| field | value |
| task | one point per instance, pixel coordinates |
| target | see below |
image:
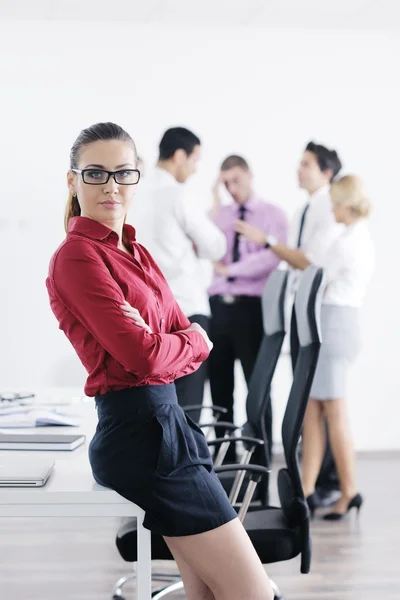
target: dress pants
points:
(236, 330)
(328, 478)
(190, 388)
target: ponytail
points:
(71, 210)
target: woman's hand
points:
(199, 329)
(134, 314)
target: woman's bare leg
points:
(342, 449)
(195, 588)
(313, 445)
(225, 560)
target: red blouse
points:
(89, 278)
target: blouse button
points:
(162, 320)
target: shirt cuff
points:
(199, 347)
(312, 259)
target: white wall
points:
(257, 92)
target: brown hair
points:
(350, 191)
(235, 161)
(99, 131)
(71, 210)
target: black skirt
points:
(150, 452)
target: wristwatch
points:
(270, 240)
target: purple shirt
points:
(256, 263)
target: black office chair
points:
(282, 533)
(254, 433)
(277, 533)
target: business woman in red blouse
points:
(145, 447)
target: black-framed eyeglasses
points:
(100, 176)
(8, 398)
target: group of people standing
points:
(132, 303)
(246, 240)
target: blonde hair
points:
(350, 191)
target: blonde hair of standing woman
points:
(350, 191)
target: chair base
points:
(277, 593)
(170, 588)
(117, 593)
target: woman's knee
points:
(195, 587)
(252, 594)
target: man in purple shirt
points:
(236, 328)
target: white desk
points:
(72, 492)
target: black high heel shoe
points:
(355, 502)
(313, 503)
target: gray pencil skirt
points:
(340, 346)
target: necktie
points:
(302, 222)
(235, 251)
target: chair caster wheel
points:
(117, 597)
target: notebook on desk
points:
(42, 441)
(22, 473)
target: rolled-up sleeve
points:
(180, 322)
(81, 281)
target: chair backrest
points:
(307, 308)
(273, 308)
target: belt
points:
(231, 299)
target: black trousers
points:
(328, 478)
(236, 331)
(190, 388)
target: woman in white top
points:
(348, 265)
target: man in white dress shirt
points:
(312, 231)
(178, 234)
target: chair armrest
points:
(216, 409)
(250, 444)
(256, 474)
(245, 439)
(224, 424)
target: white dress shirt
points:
(348, 265)
(169, 225)
(320, 228)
